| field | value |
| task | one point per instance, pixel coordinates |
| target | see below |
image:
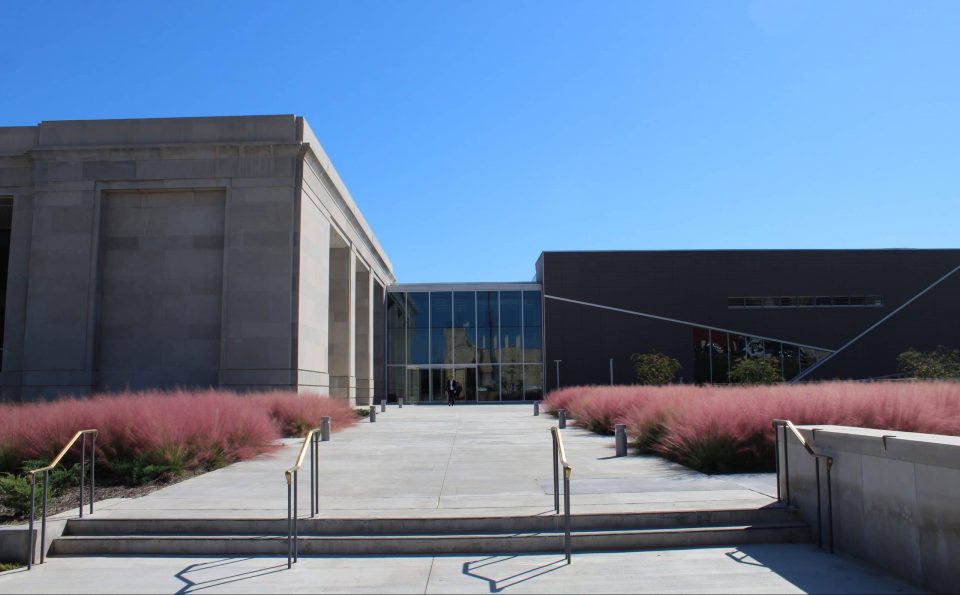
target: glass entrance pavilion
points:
(489, 336)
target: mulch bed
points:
(70, 498)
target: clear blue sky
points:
(474, 135)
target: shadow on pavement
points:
(497, 585)
(817, 571)
(192, 586)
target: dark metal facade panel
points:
(694, 286)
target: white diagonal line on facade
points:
(683, 322)
(874, 325)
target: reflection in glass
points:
(438, 392)
(510, 308)
(488, 309)
(441, 322)
(441, 346)
(396, 324)
(461, 331)
(396, 382)
(464, 309)
(441, 309)
(511, 383)
(532, 315)
(532, 345)
(465, 345)
(418, 344)
(533, 382)
(511, 345)
(488, 342)
(418, 385)
(467, 377)
(488, 383)
(418, 309)
(715, 354)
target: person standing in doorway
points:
(451, 389)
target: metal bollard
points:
(621, 439)
(383, 403)
(400, 402)
(373, 413)
(325, 429)
(536, 408)
(563, 418)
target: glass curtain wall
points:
(490, 341)
(716, 352)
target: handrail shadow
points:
(497, 585)
(191, 586)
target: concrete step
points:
(428, 525)
(426, 544)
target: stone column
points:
(379, 367)
(364, 336)
(342, 321)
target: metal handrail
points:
(31, 479)
(311, 442)
(786, 424)
(560, 460)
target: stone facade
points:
(185, 252)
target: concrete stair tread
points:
(441, 536)
(450, 525)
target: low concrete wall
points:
(895, 498)
(15, 545)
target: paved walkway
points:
(747, 569)
(464, 461)
(476, 460)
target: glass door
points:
(467, 377)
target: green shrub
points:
(756, 370)
(362, 413)
(134, 472)
(4, 566)
(15, 489)
(15, 494)
(942, 363)
(649, 437)
(724, 454)
(655, 368)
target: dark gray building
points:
(821, 314)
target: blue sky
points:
(474, 135)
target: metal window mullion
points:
(476, 327)
(729, 362)
(500, 345)
(710, 351)
(523, 345)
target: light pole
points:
(557, 361)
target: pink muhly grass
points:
(560, 399)
(178, 430)
(296, 414)
(728, 428)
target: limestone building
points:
(184, 252)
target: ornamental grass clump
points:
(146, 435)
(723, 429)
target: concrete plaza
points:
(474, 460)
(423, 461)
(745, 569)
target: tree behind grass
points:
(756, 370)
(942, 363)
(655, 368)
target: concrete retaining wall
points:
(895, 497)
